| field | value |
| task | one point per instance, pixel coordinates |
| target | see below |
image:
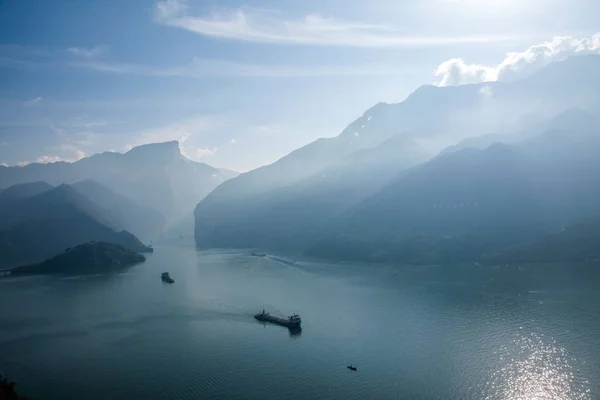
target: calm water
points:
(459, 332)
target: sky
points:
(242, 83)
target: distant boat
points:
(166, 278)
(258, 254)
(351, 367)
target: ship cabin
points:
(295, 318)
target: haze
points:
(241, 84)
(181, 179)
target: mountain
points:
(22, 190)
(143, 222)
(156, 176)
(26, 190)
(286, 217)
(52, 202)
(463, 204)
(571, 119)
(255, 208)
(43, 225)
(578, 242)
(84, 258)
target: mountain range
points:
(378, 192)
(155, 176)
(450, 174)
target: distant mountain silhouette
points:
(288, 216)
(89, 257)
(26, 190)
(463, 204)
(291, 200)
(43, 225)
(156, 176)
(572, 119)
(144, 222)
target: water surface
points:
(437, 332)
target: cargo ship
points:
(292, 322)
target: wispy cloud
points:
(456, 71)
(99, 59)
(202, 68)
(88, 52)
(313, 29)
(33, 102)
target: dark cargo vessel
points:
(292, 322)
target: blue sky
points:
(242, 83)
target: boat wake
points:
(287, 263)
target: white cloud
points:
(313, 29)
(232, 141)
(78, 155)
(516, 64)
(74, 154)
(34, 102)
(3, 164)
(88, 52)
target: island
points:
(84, 258)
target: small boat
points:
(258, 254)
(351, 367)
(166, 278)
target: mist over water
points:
(430, 332)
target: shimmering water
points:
(440, 332)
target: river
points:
(433, 332)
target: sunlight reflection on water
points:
(534, 368)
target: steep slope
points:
(156, 176)
(287, 217)
(143, 222)
(53, 202)
(434, 114)
(9, 195)
(25, 190)
(460, 205)
(43, 225)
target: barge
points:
(291, 322)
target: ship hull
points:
(278, 321)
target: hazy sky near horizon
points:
(242, 83)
